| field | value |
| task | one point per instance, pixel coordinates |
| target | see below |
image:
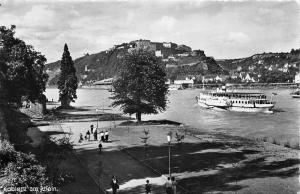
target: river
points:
(283, 124)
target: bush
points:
(20, 169)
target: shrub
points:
(20, 169)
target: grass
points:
(276, 141)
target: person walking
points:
(174, 185)
(102, 136)
(95, 135)
(80, 138)
(169, 186)
(148, 187)
(106, 135)
(100, 147)
(92, 129)
(88, 134)
(114, 185)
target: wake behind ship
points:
(236, 101)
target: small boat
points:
(295, 94)
(236, 101)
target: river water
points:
(283, 124)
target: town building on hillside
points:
(297, 78)
(83, 76)
(271, 67)
(220, 78)
(208, 78)
(239, 68)
(183, 49)
(168, 82)
(167, 44)
(198, 53)
(86, 69)
(283, 69)
(233, 75)
(186, 83)
(1, 43)
(142, 44)
(158, 53)
(172, 58)
(183, 54)
(251, 67)
(246, 77)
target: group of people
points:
(171, 185)
(87, 137)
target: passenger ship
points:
(236, 101)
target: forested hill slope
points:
(106, 64)
(181, 61)
(271, 61)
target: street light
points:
(97, 111)
(169, 137)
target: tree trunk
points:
(65, 102)
(138, 116)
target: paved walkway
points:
(131, 174)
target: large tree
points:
(21, 68)
(140, 88)
(67, 82)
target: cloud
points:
(165, 23)
(237, 38)
(223, 29)
(39, 16)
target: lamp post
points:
(169, 142)
(97, 110)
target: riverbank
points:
(205, 162)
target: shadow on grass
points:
(150, 122)
(200, 167)
(188, 160)
(49, 133)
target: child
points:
(100, 147)
(148, 187)
(80, 138)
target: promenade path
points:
(215, 163)
(131, 173)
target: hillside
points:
(105, 64)
(181, 61)
(271, 67)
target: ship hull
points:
(231, 103)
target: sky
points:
(223, 29)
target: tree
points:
(140, 88)
(67, 82)
(22, 68)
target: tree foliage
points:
(20, 169)
(67, 82)
(140, 88)
(22, 68)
